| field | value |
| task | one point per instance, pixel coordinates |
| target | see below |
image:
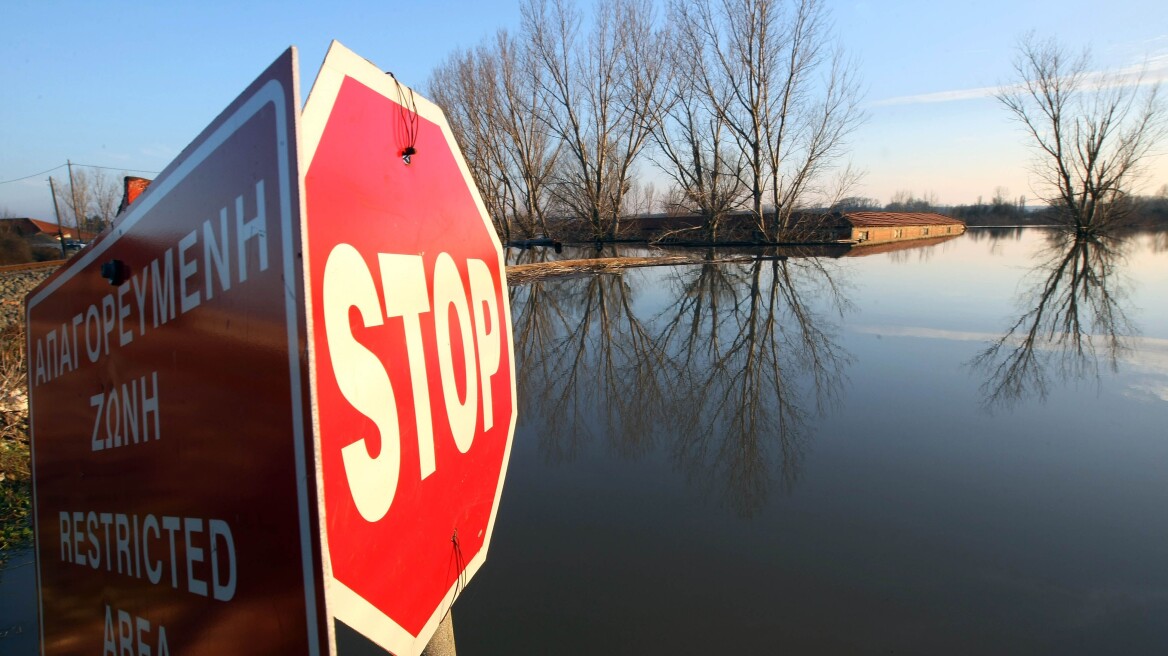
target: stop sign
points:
(412, 367)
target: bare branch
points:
(1091, 132)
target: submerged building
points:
(881, 227)
(804, 228)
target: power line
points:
(91, 166)
(33, 175)
(117, 168)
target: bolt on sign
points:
(280, 392)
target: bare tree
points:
(107, 194)
(789, 98)
(67, 199)
(1091, 132)
(465, 87)
(808, 134)
(533, 152)
(641, 198)
(695, 149)
(602, 90)
(490, 94)
(90, 202)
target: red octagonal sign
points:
(412, 363)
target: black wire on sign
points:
(460, 567)
(409, 119)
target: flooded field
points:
(958, 448)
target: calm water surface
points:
(958, 448)
(18, 613)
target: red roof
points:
(46, 227)
(26, 227)
(896, 219)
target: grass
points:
(15, 498)
(15, 477)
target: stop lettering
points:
(361, 376)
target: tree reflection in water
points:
(726, 377)
(753, 368)
(597, 372)
(1073, 322)
(1159, 241)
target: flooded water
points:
(18, 613)
(958, 448)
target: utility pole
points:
(60, 235)
(77, 218)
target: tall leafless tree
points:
(789, 97)
(695, 150)
(465, 86)
(1091, 131)
(603, 88)
(533, 152)
(107, 195)
(490, 95)
(90, 202)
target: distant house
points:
(36, 230)
(805, 227)
(882, 227)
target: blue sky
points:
(128, 85)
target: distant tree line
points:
(741, 104)
(1138, 211)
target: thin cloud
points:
(939, 97)
(1152, 70)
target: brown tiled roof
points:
(27, 227)
(894, 219)
(45, 226)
